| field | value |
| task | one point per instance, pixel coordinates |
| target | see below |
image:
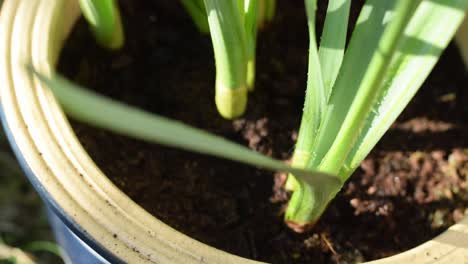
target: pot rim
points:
(65, 176)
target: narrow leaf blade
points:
(427, 35)
(332, 44)
(364, 40)
(103, 112)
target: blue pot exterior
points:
(74, 249)
(78, 246)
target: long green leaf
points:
(230, 49)
(315, 99)
(363, 44)
(332, 44)
(196, 10)
(426, 36)
(100, 111)
(302, 202)
(250, 24)
(370, 88)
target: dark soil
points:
(411, 187)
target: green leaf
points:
(196, 10)
(426, 36)
(332, 44)
(303, 203)
(369, 89)
(363, 44)
(104, 19)
(100, 111)
(315, 100)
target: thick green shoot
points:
(392, 50)
(233, 27)
(371, 86)
(104, 19)
(424, 41)
(332, 43)
(103, 112)
(230, 49)
(250, 24)
(363, 44)
(351, 99)
(196, 9)
(315, 101)
(330, 55)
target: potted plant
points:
(95, 212)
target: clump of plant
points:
(233, 28)
(354, 92)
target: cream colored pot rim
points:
(52, 152)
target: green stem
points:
(196, 10)
(434, 27)
(315, 101)
(250, 24)
(308, 202)
(364, 43)
(331, 55)
(332, 44)
(229, 44)
(104, 19)
(100, 111)
(370, 88)
(303, 207)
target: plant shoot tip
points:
(231, 102)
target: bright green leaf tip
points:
(228, 36)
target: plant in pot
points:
(351, 100)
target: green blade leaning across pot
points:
(103, 112)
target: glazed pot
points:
(94, 221)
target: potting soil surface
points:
(411, 187)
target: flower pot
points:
(94, 221)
